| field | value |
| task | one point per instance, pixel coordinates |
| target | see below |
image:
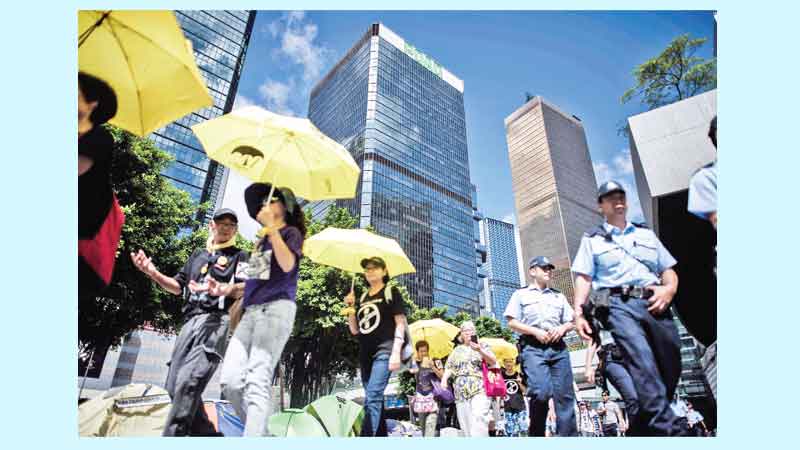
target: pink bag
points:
(493, 381)
(423, 404)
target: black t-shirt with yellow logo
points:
(221, 265)
(376, 327)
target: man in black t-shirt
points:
(204, 334)
(379, 323)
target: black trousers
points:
(197, 353)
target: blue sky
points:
(580, 61)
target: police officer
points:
(542, 315)
(631, 275)
(703, 186)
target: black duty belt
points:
(631, 291)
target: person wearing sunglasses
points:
(269, 305)
(542, 316)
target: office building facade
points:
(401, 115)
(555, 191)
(502, 266)
(219, 40)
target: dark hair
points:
(421, 343)
(97, 90)
(605, 392)
(712, 131)
(296, 219)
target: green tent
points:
(295, 423)
(339, 417)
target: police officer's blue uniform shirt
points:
(703, 192)
(614, 263)
(544, 309)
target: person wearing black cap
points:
(269, 305)
(379, 321)
(542, 315)
(203, 336)
(100, 218)
(633, 283)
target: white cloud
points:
(243, 102)
(297, 36)
(278, 95)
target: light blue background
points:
(757, 100)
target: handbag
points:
(443, 395)
(424, 404)
(493, 381)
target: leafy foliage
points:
(674, 74)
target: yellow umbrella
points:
(502, 349)
(285, 151)
(147, 61)
(437, 333)
(344, 249)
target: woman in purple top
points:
(269, 306)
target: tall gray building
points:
(401, 115)
(219, 39)
(554, 185)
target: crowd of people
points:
(239, 310)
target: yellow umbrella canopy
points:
(502, 349)
(147, 61)
(285, 151)
(344, 249)
(437, 333)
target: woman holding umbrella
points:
(269, 305)
(379, 321)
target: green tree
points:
(673, 75)
(321, 346)
(155, 213)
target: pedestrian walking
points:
(269, 305)
(465, 364)
(204, 334)
(613, 421)
(516, 416)
(633, 283)
(695, 420)
(426, 372)
(587, 423)
(542, 315)
(100, 217)
(379, 322)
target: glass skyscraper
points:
(401, 115)
(502, 267)
(219, 40)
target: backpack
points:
(407, 351)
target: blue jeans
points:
(615, 372)
(549, 374)
(651, 354)
(374, 378)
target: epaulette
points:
(640, 225)
(598, 230)
(554, 290)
